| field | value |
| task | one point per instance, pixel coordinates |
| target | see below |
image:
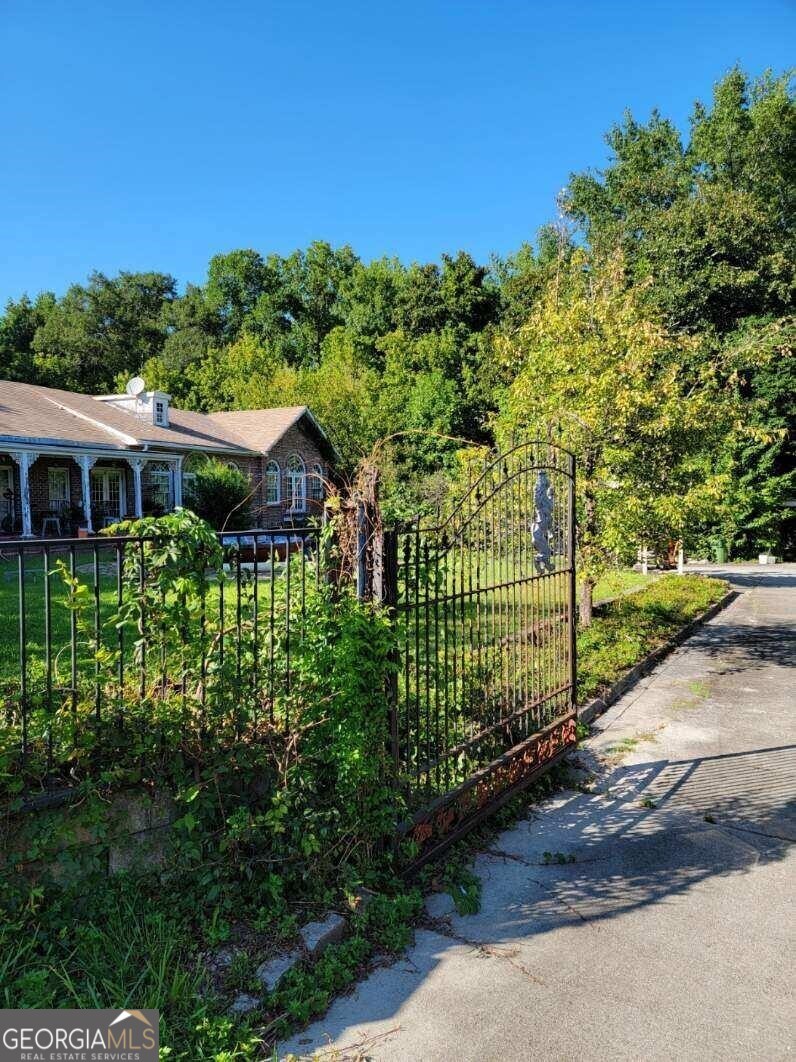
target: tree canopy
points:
(650, 325)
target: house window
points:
(296, 484)
(272, 483)
(189, 469)
(315, 490)
(6, 498)
(157, 488)
(160, 412)
(106, 495)
(58, 487)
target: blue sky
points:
(151, 135)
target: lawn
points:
(610, 585)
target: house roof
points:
(33, 414)
(262, 428)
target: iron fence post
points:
(390, 600)
(572, 544)
(362, 552)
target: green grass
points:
(127, 950)
(60, 615)
(63, 720)
(34, 612)
(630, 628)
(610, 585)
(621, 581)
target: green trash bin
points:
(720, 551)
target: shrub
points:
(221, 495)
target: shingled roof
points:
(261, 432)
(33, 414)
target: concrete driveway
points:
(649, 918)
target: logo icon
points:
(79, 1035)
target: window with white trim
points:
(58, 487)
(157, 487)
(160, 411)
(272, 493)
(316, 478)
(296, 484)
(107, 486)
(189, 468)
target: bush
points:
(221, 495)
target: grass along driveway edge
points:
(592, 707)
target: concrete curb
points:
(589, 712)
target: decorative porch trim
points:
(86, 463)
(24, 459)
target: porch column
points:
(177, 477)
(137, 465)
(24, 459)
(86, 464)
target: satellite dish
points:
(135, 386)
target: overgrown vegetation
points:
(274, 822)
(62, 948)
(631, 627)
(666, 283)
(281, 793)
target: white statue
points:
(541, 529)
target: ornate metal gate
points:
(483, 696)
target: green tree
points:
(102, 330)
(248, 293)
(192, 326)
(618, 390)
(314, 282)
(18, 327)
(368, 304)
(521, 277)
(711, 223)
(757, 513)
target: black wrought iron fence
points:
(483, 596)
(96, 647)
(139, 646)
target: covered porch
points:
(55, 494)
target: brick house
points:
(70, 461)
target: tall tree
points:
(192, 325)
(314, 283)
(102, 330)
(710, 223)
(618, 390)
(368, 304)
(757, 512)
(18, 327)
(248, 293)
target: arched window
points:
(272, 491)
(316, 483)
(295, 484)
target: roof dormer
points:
(151, 407)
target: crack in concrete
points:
(757, 833)
(544, 886)
(491, 951)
